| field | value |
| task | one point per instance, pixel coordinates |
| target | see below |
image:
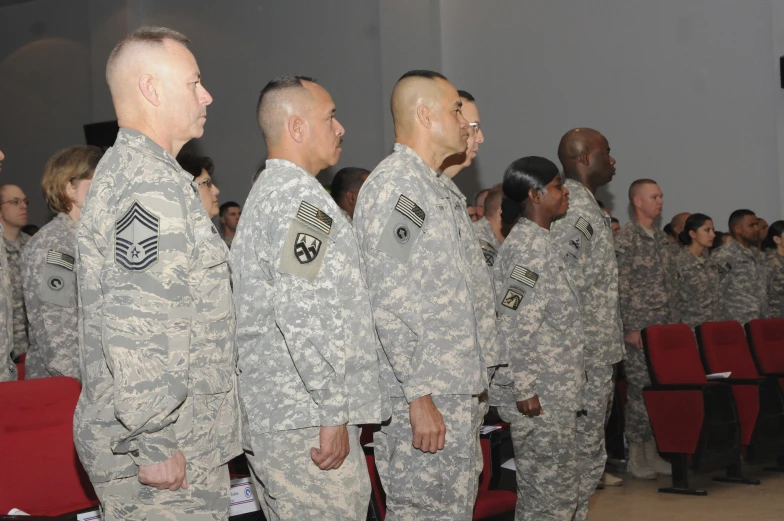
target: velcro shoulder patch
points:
(314, 217)
(411, 210)
(585, 227)
(60, 259)
(489, 252)
(524, 275)
(136, 238)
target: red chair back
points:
(20, 367)
(379, 497)
(672, 355)
(724, 348)
(41, 473)
(766, 337)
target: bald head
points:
(493, 202)
(678, 222)
(280, 99)
(585, 156)
(576, 143)
(413, 89)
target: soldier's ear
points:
(296, 128)
(425, 115)
(148, 88)
(535, 196)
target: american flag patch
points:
(585, 227)
(525, 276)
(60, 259)
(311, 215)
(411, 210)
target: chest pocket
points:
(562, 309)
(212, 287)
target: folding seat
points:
(41, 473)
(692, 419)
(766, 339)
(759, 401)
(20, 367)
(492, 502)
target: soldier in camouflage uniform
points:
(488, 228)
(541, 327)
(646, 287)
(13, 216)
(309, 355)
(48, 271)
(583, 238)
(7, 366)
(744, 280)
(159, 417)
(773, 249)
(697, 289)
(433, 363)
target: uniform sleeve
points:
(301, 240)
(147, 319)
(399, 256)
(49, 282)
(624, 254)
(521, 307)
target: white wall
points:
(685, 90)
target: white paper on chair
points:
(718, 376)
(509, 465)
(486, 429)
(243, 498)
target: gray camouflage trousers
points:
(545, 449)
(591, 453)
(638, 426)
(432, 487)
(205, 499)
(290, 487)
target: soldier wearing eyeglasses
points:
(13, 217)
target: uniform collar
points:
(66, 219)
(403, 149)
(453, 187)
(134, 139)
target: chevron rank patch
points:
(60, 259)
(585, 227)
(411, 210)
(314, 217)
(524, 275)
(136, 238)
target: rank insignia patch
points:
(306, 248)
(136, 239)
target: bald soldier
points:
(678, 222)
(7, 366)
(488, 228)
(584, 241)
(309, 355)
(646, 288)
(158, 418)
(433, 363)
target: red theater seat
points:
(490, 503)
(766, 339)
(41, 473)
(691, 418)
(724, 348)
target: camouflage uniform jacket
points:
(7, 366)
(697, 297)
(49, 283)
(14, 251)
(646, 278)
(583, 238)
(487, 240)
(419, 281)
(540, 323)
(774, 264)
(309, 355)
(744, 283)
(156, 319)
(480, 279)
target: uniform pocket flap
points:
(212, 380)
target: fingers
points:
(328, 459)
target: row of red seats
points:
(711, 424)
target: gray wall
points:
(686, 90)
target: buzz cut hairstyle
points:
(466, 95)
(278, 84)
(225, 207)
(422, 73)
(637, 183)
(148, 34)
(737, 216)
(347, 179)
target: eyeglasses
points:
(16, 202)
(208, 183)
(475, 125)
